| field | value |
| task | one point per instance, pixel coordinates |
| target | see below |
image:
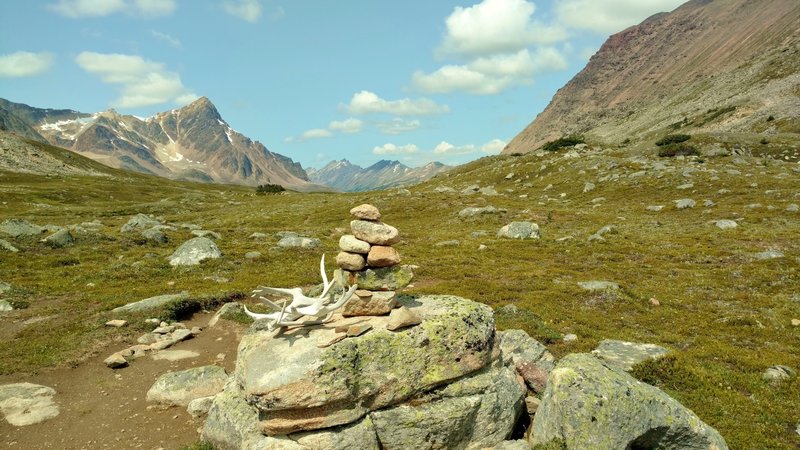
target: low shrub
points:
(671, 150)
(269, 189)
(672, 139)
(560, 143)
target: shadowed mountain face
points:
(344, 176)
(710, 66)
(192, 143)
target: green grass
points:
(726, 315)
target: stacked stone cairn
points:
(368, 259)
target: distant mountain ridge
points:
(710, 66)
(189, 143)
(344, 176)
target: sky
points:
(413, 80)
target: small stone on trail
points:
(116, 361)
(174, 355)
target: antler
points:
(301, 305)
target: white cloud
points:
(496, 26)
(492, 74)
(143, 82)
(366, 102)
(609, 16)
(398, 126)
(445, 148)
(348, 126)
(100, 8)
(173, 41)
(247, 10)
(391, 149)
(316, 133)
(24, 64)
(493, 147)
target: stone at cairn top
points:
(366, 212)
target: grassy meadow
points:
(725, 312)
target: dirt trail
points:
(105, 408)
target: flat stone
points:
(627, 354)
(207, 233)
(19, 228)
(778, 373)
(351, 244)
(295, 241)
(359, 435)
(174, 355)
(366, 212)
(351, 261)
(376, 233)
(401, 318)
(382, 256)
(151, 303)
(227, 311)
(25, 404)
(194, 251)
(180, 388)
(358, 329)
(726, 224)
(5, 306)
(597, 285)
(452, 243)
(685, 203)
(116, 323)
(378, 303)
(139, 222)
(60, 239)
(181, 335)
(473, 211)
(655, 208)
(769, 254)
(252, 255)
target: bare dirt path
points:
(105, 408)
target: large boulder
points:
(194, 251)
(27, 404)
(532, 361)
(627, 354)
(180, 388)
(588, 404)
(18, 227)
(299, 384)
(59, 239)
(376, 279)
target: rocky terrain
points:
(347, 177)
(190, 143)
(719, 69)
(23, 156)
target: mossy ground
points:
(726, 314)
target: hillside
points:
(345, 176)
(191, 143)
(726, 69)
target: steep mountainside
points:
(345, 176)
(21, 155)
(191, 143)
(709, 67)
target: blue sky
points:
(413, 80)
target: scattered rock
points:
(155, 235)
(258, 235)
(5, 245)
(685, 203)
(227, 311)
(151, 303)
(199, 407)
(207, 233)
(116, 361)
(685, 186)
(358, 329)
(366, 212)
(368, 303)
(20, 228)
(588, 187)
(194, 251)
(519, 230)
(627, 354)
(174, 355)
(139, 222)
(293, 240)
(252, 255)
(453, 243)
(530, 358)
(769, 254)
(181, 334)
(116, 323)
(570, 338)
(793, 208)
(472, 211)
(351, 244)
(597, 285)
(655, 208)
(402, 317)
(588, 405)
(25, 404)
(4, 287)
(5, 306)
(796, 322)
(59, 239)
(726, 224)
(778, 373)
(180, 388)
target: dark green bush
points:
(764, 141)
(184, 308)
(558, 144)
(269, 189)
(672, 139)
(770, 118)
(677, 150)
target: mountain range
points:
(345, 176)
(729, 69)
